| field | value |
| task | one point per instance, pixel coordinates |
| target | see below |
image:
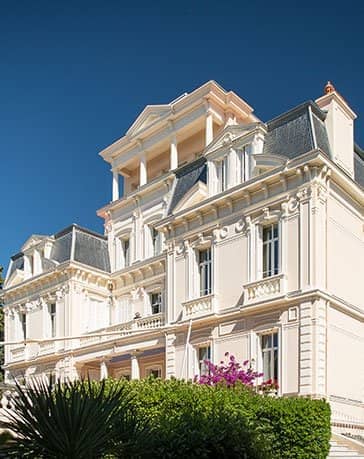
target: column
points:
(143, 169)
(135, 370)
(103, 370)
(115, 185)
(209, 132)
(173, 153)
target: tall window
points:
(156, 302)
(125, 247)
(52, 316)
(205, 271)
(23, 323)
(270, 250)
(155, 241)
(204, 353)
(244, 170)
(269, 345)
(222, 174)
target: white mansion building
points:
(230, 235)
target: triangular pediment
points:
(34, 239)
(228, 135)
(147, 117)
(16, 278)
(195, 195)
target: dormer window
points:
(222, 174)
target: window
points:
(156, 242)
(270, 250)
(205, 271)
(156, 302)
(154, 372)
(269, 346)
(244, 163)
(204, 353)
(222, 174)
(125, 247)
(52, 379)
(23, 323)
(52, 316)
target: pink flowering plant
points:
(233, 372)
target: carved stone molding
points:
(243, 225)
(290, 207)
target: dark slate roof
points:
(359, 165)
(186, 177)
(90, 248)
(297, 132)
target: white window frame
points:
(222, 173)
(160, 294)
(255, 259)
(199, 361)
(261, 351)
(23, 325)
(52, 319)
(271, 249)
(206, 265)
(150, 368)
(244, 163)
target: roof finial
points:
(329, 88)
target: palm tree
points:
(74, 420)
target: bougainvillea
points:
(232, 372)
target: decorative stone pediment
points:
(147, 117)
(228, 136)
(32, 241)
(195, 195)
(16, 278)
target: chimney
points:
(340, 127)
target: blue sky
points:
(74, 76)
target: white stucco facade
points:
(230, 235)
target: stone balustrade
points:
(198, 307)
(263, 289)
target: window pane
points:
(275, 365)
(275, 230)
(276, 257)
(275, 339)
(266, 341)
(266, 365)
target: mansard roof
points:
(359, 165)
(297, 131)
(73, 243)
(186, 177)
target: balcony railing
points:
(145, 323)
(266, 288)
(198, 307)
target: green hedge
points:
(189, 420)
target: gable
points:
(150, 115)
(16, 277)
(228, 135)
(33, 240)
(195, 195)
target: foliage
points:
(169, 419)
(232, 372)
(192, 420)
(75, 420)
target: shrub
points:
(191, 420)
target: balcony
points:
(264, 289)
(47, 347)
(198, 307)
(17, 353)
(151, 322)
